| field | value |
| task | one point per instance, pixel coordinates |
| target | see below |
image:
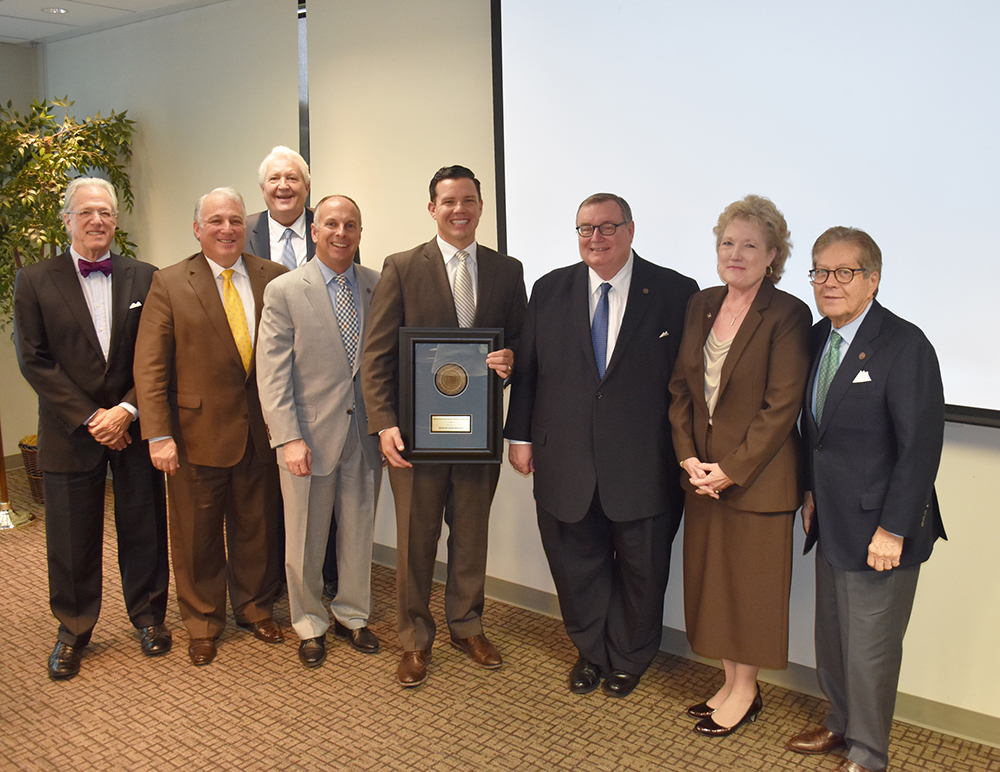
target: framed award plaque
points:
(450, 402)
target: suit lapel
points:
(318, 295)
(487, 268)
(258, 281)
(122, 278)
(203, 284)
(857, 358)
(638, 301)
(439, 279)
(750, 323)
(579, 315)
(262, 235)
(64, 277)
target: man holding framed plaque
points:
(449, 282)
(588, 415)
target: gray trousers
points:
(861, 617)
(309, 505)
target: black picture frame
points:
(464, 427)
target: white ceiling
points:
(26, 21)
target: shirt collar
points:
(277, 230)
(448, 251)
(77, 257)
(619, 281)
(329, 274)
(849, 330)
(238, 267)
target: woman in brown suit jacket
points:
(737, 391)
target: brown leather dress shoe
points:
(64, 661)
(852, 766)
(155, 640)
(814, 741)
(202, 650)
(412, 670)
(479, 648)
(312, 651)
(361, 638)
(265, 630)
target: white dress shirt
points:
(617, 298)
(449, 252)
(241, 280)
(276, 233)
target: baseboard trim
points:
(15, 461)
(938, 716)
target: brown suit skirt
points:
(737, 575)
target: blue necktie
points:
(599, 330)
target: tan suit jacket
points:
(753, 433)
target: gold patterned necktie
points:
(237, 318)
(465, 306)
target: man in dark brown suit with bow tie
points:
(76, 317)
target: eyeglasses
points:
(844, 275)
(606, 229)
(86, 214)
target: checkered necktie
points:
(465, 305)
(347, 318)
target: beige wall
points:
(382, 123)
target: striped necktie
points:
(465, 305)
(287, 253)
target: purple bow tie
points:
(87, 267)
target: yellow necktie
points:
(237, 318)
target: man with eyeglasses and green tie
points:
(76, 317)
(588, 416)
(873, 426)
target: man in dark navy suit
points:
(874, 428)
(76, 317)
(588, 415)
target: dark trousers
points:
(74, 536)
(610, 578)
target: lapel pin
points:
(861, 355)
(645, 291)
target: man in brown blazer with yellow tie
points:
(197, 390)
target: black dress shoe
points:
(360, 638)
(584, 677)
(265, 630)
(709, 728)
(701, 710)
(64, 661)
(312, 651)
(202, 651)
(620, 683)
(330, 590)
(156, 640)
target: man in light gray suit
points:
(308, 358)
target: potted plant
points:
(39, 155)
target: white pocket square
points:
(665, 333)
(136, 304)
(862, 377)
